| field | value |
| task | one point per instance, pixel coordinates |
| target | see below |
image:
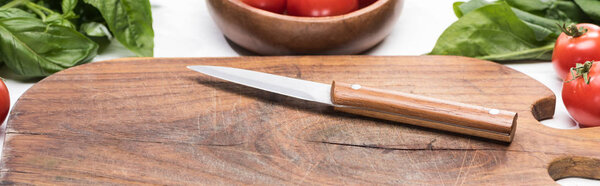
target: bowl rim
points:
(376, 5)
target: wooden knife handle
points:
(424, 111)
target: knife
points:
(390, 105)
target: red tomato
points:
(320, 8)
(582, 99)
(571, 49)
(275, 6)
(4, 101)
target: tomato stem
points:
(572, 30)
(581, 70)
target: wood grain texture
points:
(269, 33)
(153, 121)
(424, 111)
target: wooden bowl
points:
(269, 33)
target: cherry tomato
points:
(320, 8)
(576, 45)
(582, 98)
(4, 101)
(275, 6)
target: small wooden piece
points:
(269, 33)
(153, 121)
(425, 111)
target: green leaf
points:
(469, 6)
(590, 7)
(31, 47)
(560, 10)
(456, 7)
(493, 32)
(98, 33)
(15, 12)
(48, 15)
(537, 7)
(67, 8)
(130, 21)
(68, 5)
(95, 29)
(58, 19)
(543, 28)
(566, 11)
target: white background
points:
(183, 28)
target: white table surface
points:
(183, 28)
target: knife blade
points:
(390, 105)
(292, 87)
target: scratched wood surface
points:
(152, 121)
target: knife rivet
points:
(356, 86)
(494, 111)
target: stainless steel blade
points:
(297, 88)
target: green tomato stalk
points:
(581, 70)
(572, 30)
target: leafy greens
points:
(39, 38)
(128, 20)
(509, 30)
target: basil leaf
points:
(33, 48)
(49, 16)
(58, 19)
(68, 5)
(456, 8)
(95, 29)
(130, 21)
(98, 33)
(590, 7)
(465, 8)
(15, 12)
(492, 32)
(67, 8)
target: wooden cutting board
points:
(153, 121)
